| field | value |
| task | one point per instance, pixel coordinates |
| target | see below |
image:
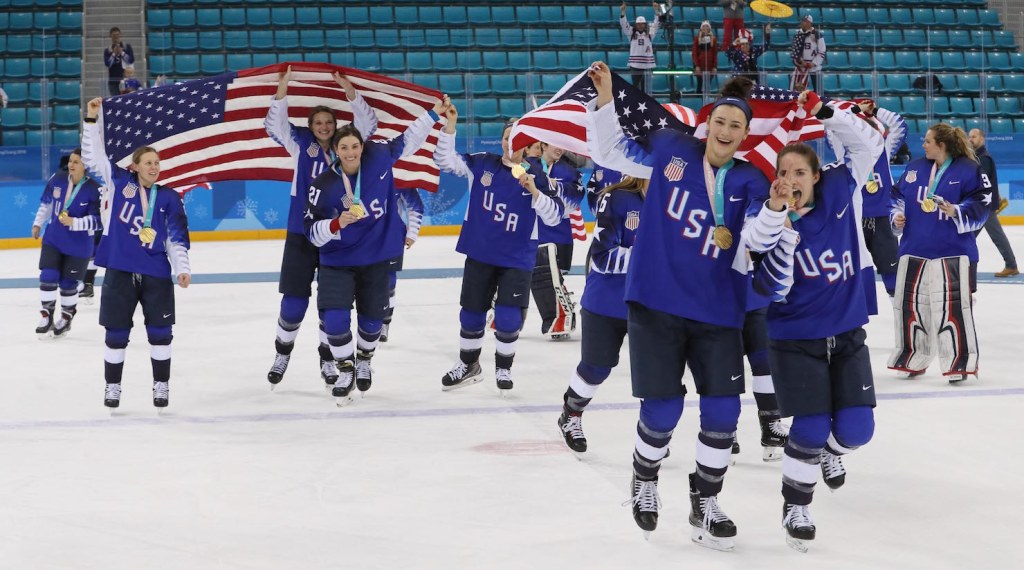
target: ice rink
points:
(236, 476)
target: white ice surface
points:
(237, 476)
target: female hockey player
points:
(144, 250)
(350, 217)
(508, 197)
(818, 358)
(310, 148)
(71, 204)
(603, 309)
(554, 255)
(410, 208)
(939, 202)
(686, 288)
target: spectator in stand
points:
(641, 45)
(744, 57)
(115, 57)
(3, 102)
(808, 53)
(705, 54)
(732, 19)
(129, 84)
(992, 225)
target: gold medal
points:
(723, 237)
(147, 235)
(63, 217)
(928, 205)
(872, 187)
(518, 171)
(358, 210)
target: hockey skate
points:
(160, 394)
(87, 294)
(329, 372)
(462, 374)
(63, 324)
(503, 378)
(955, 379)
(112, 395)
(774, 435)
(384, 332)
(278, 369)
(646, 502)
(832, 470)
(909, 373)
(343, 386)
(796, 519)
(45, 323)
(711, 527)
(364, 373)
(571, 425)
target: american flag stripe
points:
(212, 129)
(579, 229)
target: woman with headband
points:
(686, 290)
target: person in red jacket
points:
(705, 54)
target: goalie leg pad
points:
(913, 349)
(546, 280)
(953, 316)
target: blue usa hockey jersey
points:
(567, 183)
(77, 240)
(618, 218)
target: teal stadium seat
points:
(13, 137)
(19, 21)
(989, 18)
(66, 115)
(282, 17)
(511, 37)
(940, 108)
(67, 137)
(551, 15)
(17, 67)
(1008, 105)
(504, 84)
(692, 15)
(560, 37)
(967, 17)
(186, 64)
(184, 41)
(19, 44)
(161, 64)
(461, 38)
(332, 17)
(386, 38)
(1000, 126)
(34, 138)
(603, 14)
(915, 38)
(514, 107)
(852, 83)
(208, 17)
(14, 118)
(839, 61)
(968, 84)
(35, 92)
(69, 43)
(519, 60)
(1014, 83)
(479, 15)
(17, 93)
(236, 40)
(381, 16)
(503, 15)
(368, 61)
(417, 60)
(261, 39)
(158, 19)
(945, 17)
(495, 61)
(575, 15)
(1016, 61)
(938, 39)
(431, 16)
(536, 37)
(998, 61)
(469, 61)
(183, 18)
(233, 17)
(454, 16)
(892, 38)
(859, 59)
(907, 60)
(898, 83)
(913, 106)
(238, 61)
(1004, 39)
(34, 117)
(361, 38)
(43, 67)
(854, 16)
(545, 61)
(831, 84)
(953, 61)
(159, 41)
(311, 39)
(265, 59)
(258, 17)
(878, 16)
(437, 38)
(452, 85)
(428, 80)
(528, 15)
(961, 106)
(307, 16)
(45, 20)
(959, 39)
(486, 109)
(844, 38)
(479, 85)
(487, 38)
(392, 62)
(211, 64)
(888, 102)
(572, 60)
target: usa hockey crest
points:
(632, 220)
(599, 175)
(130, 190)
(313, 150)
(56, 192)
(487, 178)
(912, 176)
(674, 169)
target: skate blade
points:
(797, 544)
(771, 454)
(343, 401)
(504, 393)
(86, 300)
(705, 539)
(561, 336)
(463, 384)
(647, 535)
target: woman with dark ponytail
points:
(939, 203)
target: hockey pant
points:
(557, 310)
(933, 308)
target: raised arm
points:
(609, 145)
(94, 154)
(862, 142)
(364, 119)
(444, 153)
(773, 273)
(410, 200)
(897, 130)
(277, 124)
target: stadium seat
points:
(381, 16)
(208, 17)
(511, 37)
(937, 38)
(492, 130)
(445, 60)
(602, 14)
(158, 19)
(67, 137)
(503, 84)
(967, 17)
(43, 67)
(35, 92)
(453, 16)
(560, 37)
(233, 17)
(961, 106)
(859, 60)
(1014, 83)
(575, 15)
(953, 61)
(14, 118)
(333, 16)
(186, 64)
(989, 18)
(503, 15)
(545, 61)
(878, 16)
(265, 59)
(535, 37)
(998, 61)
(417, 60)
(888, 102)
(486, 109)
(907, 60)
(913, 106)
(959, 39)
(211, 64)
(846, 38)
(258, 17)
(236, 40)
(283, 17)
(495, 61)
(361, 38)
(237, 61)
(19, 44)
(437, 38)
(393, 61)
(974, 60)
(915, 38)
(487, 38)
(479, 85)
(307, 16)
(1000, 126)
(468, 61)
(312, 40)
(159, 64)
(461, 38)
(852, 83)
(451, 85)
(945, 17)
(13, 137)
(778, 80)
(940, 108)
(17, 93)
(480, 15)
(368, 60)
(512, 107)
(1008, 105)
(519, 60)
(431, 15)
(1018, 125)
(885, 61)
(1016, 61)
(261, 39)
(183, 18)
(570, 60)
(386, 38)
(208, 41)
(528, 15)
(183, 41)
(45, 21)
(34, 117)
(66, 115)
(839, 61)
(968, 84)
(34, 137)
(360, 15)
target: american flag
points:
(562, 121)
(212, 129)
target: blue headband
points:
(735, 102)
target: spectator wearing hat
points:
(744, 56)
(705, 54)
(641, 46)
(732, 19)
(115, 57)
(808, 53)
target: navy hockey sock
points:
(471, 335)
(583, 385)
(116, 341)
(658, 418)
(802, 457)
(718, 418)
